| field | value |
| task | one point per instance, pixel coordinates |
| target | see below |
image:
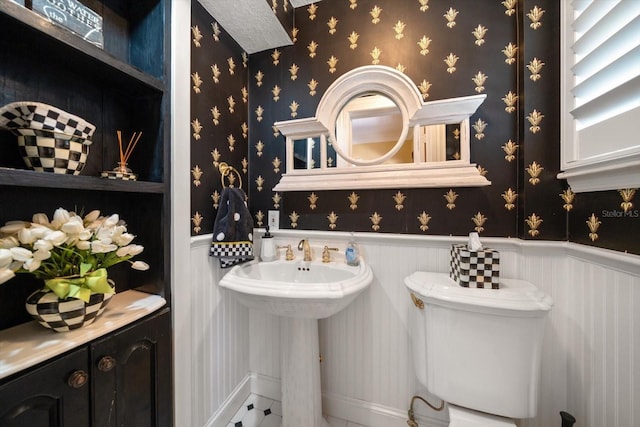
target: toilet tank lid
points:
(513, 295)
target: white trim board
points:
(619, 261)
(230, 406)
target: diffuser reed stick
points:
(128, 150)
(122, 171)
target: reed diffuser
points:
(122, 171)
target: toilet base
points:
(464, 417)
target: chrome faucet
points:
(304, 246)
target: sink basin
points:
(300, 292)
(302, 289)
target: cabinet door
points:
(54, 395)
(133, 378)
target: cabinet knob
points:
(106, 364)
(77, 379)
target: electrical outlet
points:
(273, 220)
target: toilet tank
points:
(479, 348)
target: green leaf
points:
(84, 268)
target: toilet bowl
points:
(478, 349)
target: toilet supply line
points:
(412, 420)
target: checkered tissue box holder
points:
(475, 269)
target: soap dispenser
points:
(352, 253)
(268, 250)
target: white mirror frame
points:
(360, 107)
(368, 174)
(366, 80)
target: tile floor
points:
(258, 411)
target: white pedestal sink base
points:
(300, 292)
(300, 371)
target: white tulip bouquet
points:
(71, 253)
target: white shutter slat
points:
(590, 13)
(580, 5)
(616, 46)
(618, 17)
(616, 101)
(612, 75)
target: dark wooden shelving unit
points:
(122, 86)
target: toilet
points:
(478, 349)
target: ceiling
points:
(251, 23)
(298, 3)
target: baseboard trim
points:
(372, 415)
(266, 386)
(345, 408)
(231, 404)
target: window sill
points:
(603, 173)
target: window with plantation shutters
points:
(601, 94)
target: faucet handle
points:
(289, 255)
(326, 255)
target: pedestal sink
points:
(300, 292)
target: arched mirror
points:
(373, 130)
(370, 129)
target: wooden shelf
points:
(32, 179)
(96, 60)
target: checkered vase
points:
(64, 315)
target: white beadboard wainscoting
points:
(591, 359)
(220, 341)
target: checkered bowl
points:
(46, 151)
(49, 139)
(63, 315)
(39, 116)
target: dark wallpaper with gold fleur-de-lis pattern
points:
(508, 50)
(449, 49)
(219, 122)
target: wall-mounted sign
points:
(74, 16)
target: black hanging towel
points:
(232, 240)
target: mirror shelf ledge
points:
(384, 177)
(301, 128)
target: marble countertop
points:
(28, 344)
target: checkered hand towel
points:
(232, 239)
